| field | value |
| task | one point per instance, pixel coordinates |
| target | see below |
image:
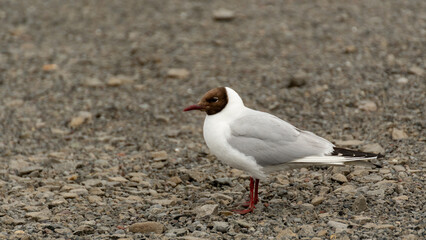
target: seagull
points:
(260, 143)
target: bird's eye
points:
(212, 100)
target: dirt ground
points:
(94, 143)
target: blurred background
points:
(91, 87)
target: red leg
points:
(251, 202)
(256, 195)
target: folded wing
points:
(272, 141)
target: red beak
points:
(193, 107)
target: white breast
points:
(216, 131)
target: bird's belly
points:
(216, 140)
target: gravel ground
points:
(94, 143)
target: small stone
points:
(39, 216)
(80, 191)
(348, 189)
(416, 70)
(360, 204)
(322, 233)
(306, 230)
(49, 67)
(147, 227)
(375, 193)
(117, 179)
(402, 80)
(350, 49)
(83, 117)
(243, 223)
(399, 168)
(196, 175)
(223, 15)
(340, 227)
(69, 195)
(179, 73)
(119, 80)
(95, 199)
(28, 170)
(368, 106)
(298, 80)
(338, 177)
(384, 226)
(307, 206)
(373, 148)
(14, 103)
(83, 230)
(159, 156)
(225, 199)
(398, 134)
(221, 226)
(286, 234)
(361, 219)
(176, 180)
(207, 210)
(164, 202)
(57, 202)
(93, 82)
(400, 198)
(317, 200)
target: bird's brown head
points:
(212, 102)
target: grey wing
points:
(272, 141)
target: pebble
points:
(348, 189)
(373, 148)
(69, 195)
(93, 82)
(221, 226)
(159, 156)
(40, 216)
(340, 227)
(95, 199)
(243, 223)
(402, 80)
(306, 230)
(80, 191)
(368, 106)
(317, 200)
(147, 227)
(399, 168)
(286, 234)
(338, 177)
(206, 210)
(119, 80)
(360, 204)
(179, 73)
(398, 134)
(82, 117)
(361, 219)
(416, 70)
(118, 179)
(223, 15)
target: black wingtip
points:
(352, 153)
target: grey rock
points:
(221, 226)
(360, 204)
(147, 227)
(306, 230)
(373, 148)
(339, 178)
(340, 227)
(206, 210)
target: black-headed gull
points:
(260, 143)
